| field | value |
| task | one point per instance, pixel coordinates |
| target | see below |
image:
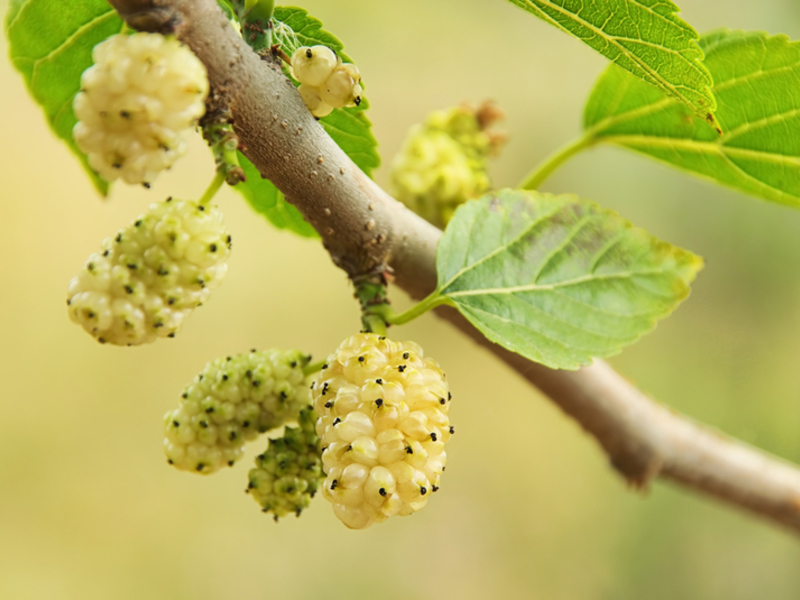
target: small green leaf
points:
(267, 200)
(226, 7)
(50, 43)
(644, 37)
(759, 108)
(557, 279)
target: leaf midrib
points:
(536, 287)
(520, 236)
(644, 66)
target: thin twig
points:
(365, 230)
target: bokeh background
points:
(89, 509)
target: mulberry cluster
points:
(148, 278)
(289, 472)
(444, 161)
(325, 82)
(138, 104)
(383, 423)
(231, 402)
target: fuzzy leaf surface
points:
(758, 88)
(50, 42)
(557, 279)
(349, 127)
(644, 37)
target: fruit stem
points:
(374, 323)
(213, 188)
(224, 143)
(312, 368)
(544, 169)
(371, 294)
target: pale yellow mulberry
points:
(383, 424)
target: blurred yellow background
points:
(89, 508)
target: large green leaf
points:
(644, 37)
(50, 43)
(557, 279)
(758, 88)
(349, 127)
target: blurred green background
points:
(89, 509)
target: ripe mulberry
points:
(148, 278)
(383, 423)
(289, 472)
(138, 104)
(231, 402)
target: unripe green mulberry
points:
(138, 104)
(231, 402)
(148, 278)
(289, 472)
(383, 423)
(444, 162)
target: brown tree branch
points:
(365, 230)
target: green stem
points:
(535, 178)
(312, 368)
(213, 188)
(374, 323)
(390, 316)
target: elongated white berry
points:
(232, 401)
(138, 104)
(313, 65)
(147, 279)
(383, 423)
(289, 472)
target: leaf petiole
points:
(542, 171)
(387, 313)
(314, 367)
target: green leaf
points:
(226, 7)
(267, 200)
(644, 37)
(757, 86)
(50, 43)
(557, 279)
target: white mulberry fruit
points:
(231, 402)
(325, 82)
(289, 472)
(148, 278)
(342, 88)
(313, 101)
(138, 104)
(383, 423)
(314, 65)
